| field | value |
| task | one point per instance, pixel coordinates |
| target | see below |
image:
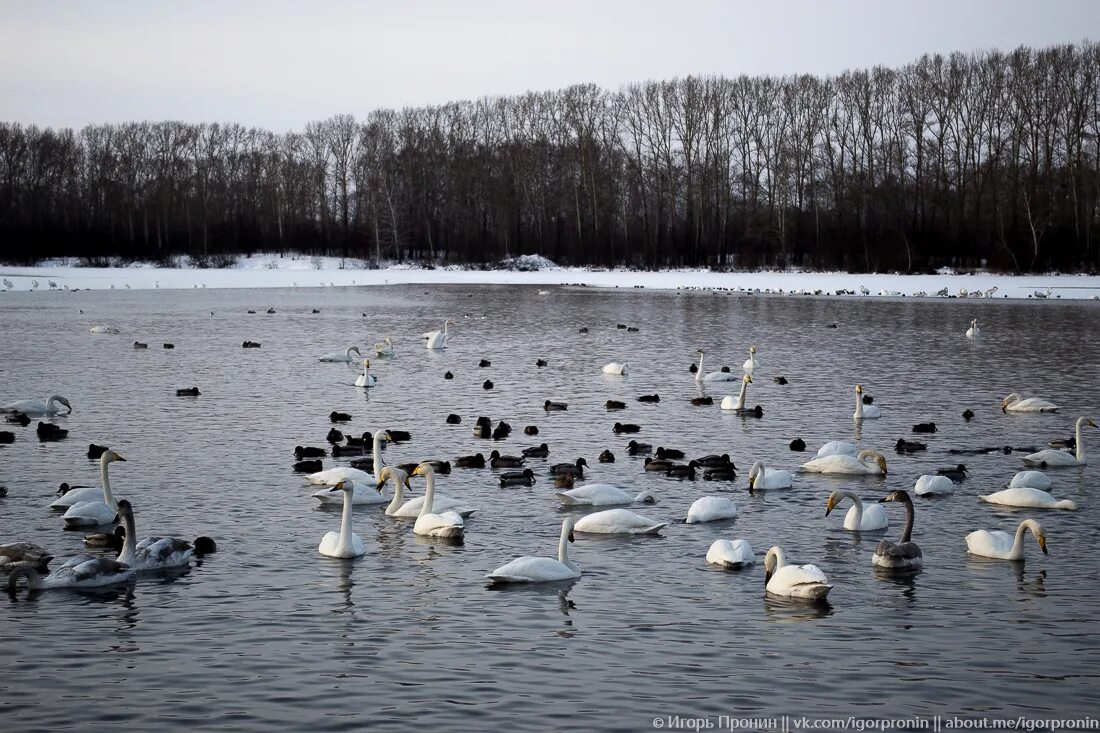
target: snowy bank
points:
(273, 271)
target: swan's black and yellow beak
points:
(119, 458)
(1043, 544)
(829, 507)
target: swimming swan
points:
(1015, 403)
(973, 331)
(1024, 496)
(710, 509)
(1003, 546)
(750, 363)
(529, 569)
(345, 543)
(934, 485)
(865, 463)
(618, 521)
(438, 339)
(384, 347)
(713, 376)
(412, 507)
(615, 368)
(731, 553)
(102, 510)
(343, 357)
(89, 573)
(602, 495)
(1031, 479)
(1053, 458)
(864, 412)
(793, 581)
(837, 448)
(37, 408)
(762, 478)
(903, 554)
(429, 524)
(728, 402)
(89, 493)
(333, 476)
(366, 379)
(151, 553)
(858, 518)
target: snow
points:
(275, 271)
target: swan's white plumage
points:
(341, 357)
(1031, 479)
(973, 331)
(867, 463)
(933, 485)
(529, 569)
(333, 476)
(1053, 458)
(366, 379)
(719, 376)
(1015, 403)
(601, 495)
(38, 407)
(102, 509)
(438, 339)
(865, 412)
(859, 518)
(447, 524)
(1003, 546)
(615, 367)
(362, 494)
(750, 363)
(731, 553)
(765, 478)
(793, 581)
(837, 448)
(618, 521)
(711, 509)
(345, 543)
(1023, 496)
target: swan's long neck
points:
(347, 354)
(699, 374)
(857, 502)
(345, 522)
(445, 324)
(563, 543)
(129, 542)
(780, 559)
(1018, 544)
(398, 495)
(907, 533)
(1080, 444)
(859, 406)
(108, 498)
(429, 495)
(377, 451)
(52, 399)
(741, 397)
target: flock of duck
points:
(440, 516)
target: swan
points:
(837, 448)
(1003, 546)
(102, 510)
(438, 339)
(366, 379)
(903, 554)
(384, 347)
(89, 573)
(1015, 403)
(333, 476)
(89, 493)
(19, 554)
(448, 524)
(793, 581)
(362, 494)
(615, 367)
(1024, 496)
(602, 495)
(731, 553)
(344, 543)
(710, 509)
(858, 518)
(37, 408)
(412, 507)
(700, 376)
(105, 329)
(762, 478)
(1052, 458)
(1031, 479)
(864, 412)
(343, 357)
(728, 402)
(865, 463)
(973, 331)
(528, 569)
(750, 363)
(151, 553)
(933, 485)
(618, 521)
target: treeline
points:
(988, 159)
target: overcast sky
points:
(281, 64)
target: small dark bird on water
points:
(305, 451)
(663, 452)
(798, 444)
(316, 311)
(606, 457)
(958, 473)
(779, 380)
(363, 441)
(346, 450)
(95, 451)
(250, 345)
(188, 392)
(615, 405)
(448, 375)
(542, 363)
(399, 436)
(909, 446)
(270, 311)
(625, 428)
(967, 414)
(19, 418)
(632, 329)
(139, 345)
(502, 431)
(169, 346)
(693, 368)
(701, 401)
(487, 384)
(649, 398)
(454, 419)
(335, 416)
(475, 461)
(621, 326)
(308, 466)
(483, 427)
(7, 436)
(526, 477)
(484, 363)
(538, 451)
(334, 436)
(531, 430)
(551, 406)
(583, 329)
(635, 448)
(924, 427)
(50, 432)
(868, 399)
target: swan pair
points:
(864, 463)
(529, 569)
(344, 357)
(384, 347)
(1053, 458)
(1003, 546)
(413, 507)
(438, 339)
(37, 408)
(864, 412)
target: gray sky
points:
(280, 64)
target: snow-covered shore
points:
(273, 271)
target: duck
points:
(1024, 496)
(83, 510)
(526, 477)
(865, 463)
(344, 357)
(188, 392)
(701, 376)
(538, 451)
(475, 461)
(909, 446)
(615, 405)
(793, 581)
(1031, 479)
(958, 473)
(651, 398)
(602, 495)
(615, 368)
(399, 436)
(436, 340)
(334, 436)
(658, 464)
(761, 478)
(564, 481)
(448, 524)
(710, 509)
(1015, 403)
(398, 507)
(625, 428)
(483, 427)
(681, 471)
(968, 414)
(904, 554)
(837, 448)
(725, 473)
(574, 469)
(551, 406)
(858, 518)
(731, 554)
(1063, 443)
(1003, 546)
(618, 521)
(305, 451)
(496, 460)
(702, 401)
(18, 418)
(934, 485)
(38, 408)
(1053, 458)
(484, 363)
(24, 554)
(635, 448)
(713, 460)
(973, 331)
(924, 427)
(780, 380)
(309, 465)
(335, 416)
(448, 375)
(384, 348)
(50, 432)
(107, 540)
(140, 345)
(366, 379)
(672, 453)
(798, 445)
(502, 431)
(750, 363)
(345, 543)
(864, 412)
(151, 553)
(89, 572)
(528, 569)
(606, 457)
(541, 363)
(487, 384)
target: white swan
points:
(837, 448)
(618, 521)
(366, 379)
(602, 495)
(361, 494)
(37, 408)
(89, 573)
(529, 569)
(710, 509)
(344, 543)
(750, 363)
(973, 331)
(1003, 546)
(1031, 479)
(448, 524)
(793, 581)
(731, 553)
(1015, 403)
(903, 554)
(438, 339)
(412, 507)
(105, 329)
(103, 510)
(728, 402)
(384, 347)
(89, 493)
(333, 476)
(864, 412)
(934, 485)
(1053, 458)
(762, 478)
(341, 357)
(858, 518)
(151, 553)
(865, 463)
(1024, 496)
(615, 367)
(713, 376)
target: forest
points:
(982, 160)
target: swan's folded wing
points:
(529, 569)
